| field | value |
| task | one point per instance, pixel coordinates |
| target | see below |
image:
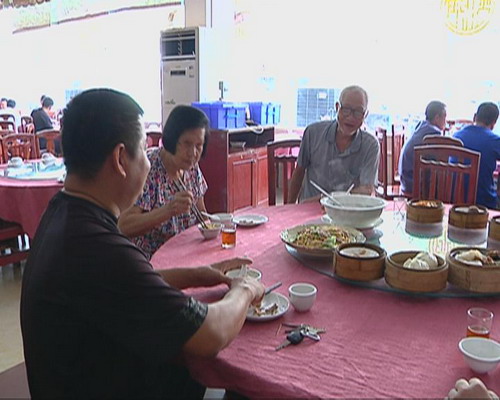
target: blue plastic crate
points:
(223, 115)
(265, 113)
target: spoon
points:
(211, 216)
(333, 199)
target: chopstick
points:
(196, 211)
(269, 289)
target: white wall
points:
(119, 50)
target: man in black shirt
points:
(42, 121)
(41, 117)
(97, 320)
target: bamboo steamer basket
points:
(424, 215)
(359, 268)
(494, 228)
(413, 280)
(468, 220)
(470, 277)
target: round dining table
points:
(378, 342)
(24, 200)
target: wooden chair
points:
(25, 120)
(443, 140)
(20, 145)
(8, 125)
(13, 248)
(2, 159)
(152, 126)
(53, 141)
(280, 153)
(29, 128)
(8, 117)
(153, 138)
(454, 125)
(389, 182)
(437, 177)
(398, 141)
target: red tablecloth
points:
(378, 344)
(24, 201)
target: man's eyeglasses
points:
(356, 112)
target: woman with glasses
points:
(337, 154)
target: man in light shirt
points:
(337, 154)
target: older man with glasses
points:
(337, 154)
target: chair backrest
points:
(280, 153)
(2, 159)
(53, 141)
(29, 128)
(383, 170)
(25, 120)
(8, 117)
(397, 143)
(153, 138)
(20, 145)
(440, 174)
(7, 125)
(454, 125)
(444, 140)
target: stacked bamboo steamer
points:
(412, 280)
(359, 261)
(417, 211)
(424, 217)
(494, 233)
(481, 279)
(467, 224)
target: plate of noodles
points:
(320, 240)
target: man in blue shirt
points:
(479, 137)
(434, 124)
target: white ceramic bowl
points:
(302, 296)
(251, 272)
(15, 162)
(481, 354)
(356, 210)
(48, 159)
(212, 232)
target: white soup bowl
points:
(481, 355)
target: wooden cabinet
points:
(237, 178)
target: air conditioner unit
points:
(192, 62)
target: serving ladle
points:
(323, 191)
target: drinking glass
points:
(479, 321)
(228, 235)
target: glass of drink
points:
(479, 321)
(229, 235)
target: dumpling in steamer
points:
(429, 258)
(422, 261)
(414, 263)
